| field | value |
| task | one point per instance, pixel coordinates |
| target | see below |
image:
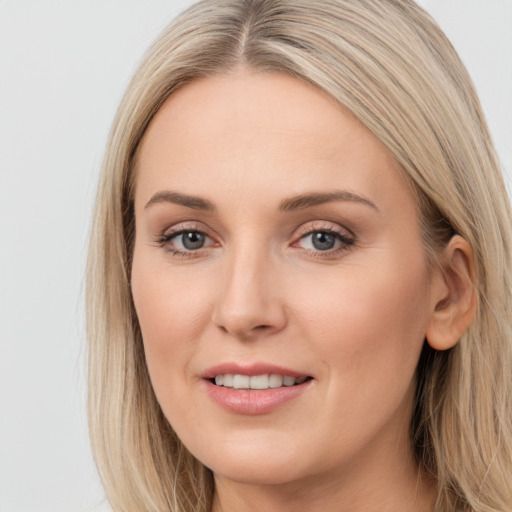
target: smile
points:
(261, 382)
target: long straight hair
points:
(389, 64)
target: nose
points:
(250, 302)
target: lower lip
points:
(254, 401)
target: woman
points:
(299, 275)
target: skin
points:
(354, 318)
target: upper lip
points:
(250, 370)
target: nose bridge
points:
(248, 301)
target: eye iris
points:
(192, 240)
(323, 241)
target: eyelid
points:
(322, 225)
(164, 238)
(345, 237)
(176, 229)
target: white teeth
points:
(275, 381)
(288, 381)
(257, 381)
(241, 381)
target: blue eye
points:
(325, 240)
(191, 240)
(185, 241)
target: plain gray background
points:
(63, 67)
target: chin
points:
(269, 473)
(252, 463)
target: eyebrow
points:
(304, 201)
(300, 202)
(193, 202)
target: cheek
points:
(172, 313)
(367, 329)
(367, 320)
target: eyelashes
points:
(188, 240)
(316, 238)
(185, 241)
(324, 240)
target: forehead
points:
(259, 131)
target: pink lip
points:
(250, 369)
(252, 401)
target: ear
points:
(453, 296)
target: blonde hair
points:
(389, 64)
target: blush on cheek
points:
(375, 321)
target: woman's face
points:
(278, 248)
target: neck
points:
(413, 492)
(385, 478)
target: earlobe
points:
(453, 295)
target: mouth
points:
(257, 382)
(253, 389)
